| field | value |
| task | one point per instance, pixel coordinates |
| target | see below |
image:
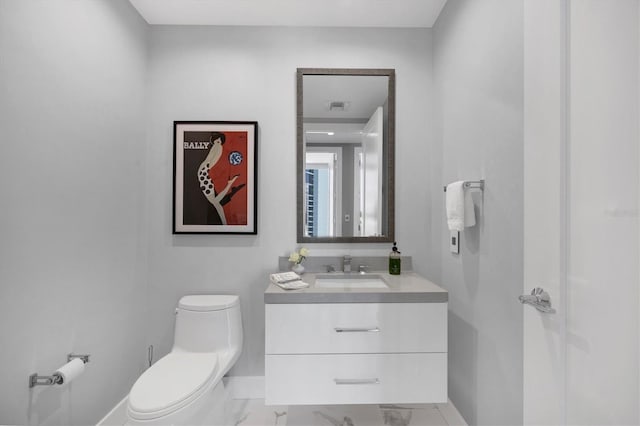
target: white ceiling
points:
(306, 13)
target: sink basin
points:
(350, 281)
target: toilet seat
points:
(171, 383)
(208, 302)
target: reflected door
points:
(372, 175)
(323, 174)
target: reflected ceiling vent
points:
(337, 106)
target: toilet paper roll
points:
(70, 371)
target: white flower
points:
(299, 256)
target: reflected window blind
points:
(311, 196)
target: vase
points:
(298, 268)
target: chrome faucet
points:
(346, 263)
(363, 268)
(330, 268)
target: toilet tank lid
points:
(207, 302)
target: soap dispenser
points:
(394, 260)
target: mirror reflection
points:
(346, 136)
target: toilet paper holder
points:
(54, 379)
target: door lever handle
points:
(539, 299)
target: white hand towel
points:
(460, 211)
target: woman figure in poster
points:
(204, 177)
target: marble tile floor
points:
(244, 406)
(253, 412)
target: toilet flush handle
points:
(150, 354)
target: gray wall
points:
(72, 82)
(478, 57)
(248, 73)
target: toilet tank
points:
(208, 323)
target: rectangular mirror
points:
(345, 155)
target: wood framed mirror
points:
(345, 155)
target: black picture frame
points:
(215, 177)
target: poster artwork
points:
(215, 178)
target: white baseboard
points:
(117, 416)
(451, 414)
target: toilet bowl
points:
(185, 386)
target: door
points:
(323, 194)
(544, 205)
(581, 211)
(372, 137)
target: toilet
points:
(185, 386)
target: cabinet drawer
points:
(355, 327)
(356, 379)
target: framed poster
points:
(215, 177)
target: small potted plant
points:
(297, 257)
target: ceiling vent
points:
(338, 106)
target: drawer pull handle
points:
(356, 330)
(375, 381)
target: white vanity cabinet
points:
(355, 353)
